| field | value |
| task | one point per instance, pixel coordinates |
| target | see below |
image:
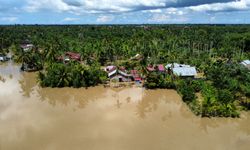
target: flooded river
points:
(98, 118)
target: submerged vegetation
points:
(216, 51)
(72, 75)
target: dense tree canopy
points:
(215, 50)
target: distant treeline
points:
(162, 43)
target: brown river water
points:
(98, 118)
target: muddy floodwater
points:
(98, 118)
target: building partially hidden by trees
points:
(3, 58)
(69, 56)
(246, 63)
(27, 47)
(120, 74)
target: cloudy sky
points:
(123, 11)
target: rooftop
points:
(185, 71)
(175, 65)
(25, 46)
(110, 68)
(133, 71)
(150, 68)
(73, 55)
(161, 67)
(245, 62)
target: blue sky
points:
(124, 11)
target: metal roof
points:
(112, 73)
(176, 65)
(245, 62)
(120, 72)
(123, 73)
(185, 71)
(110, 68)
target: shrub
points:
(225, 96)
(72, 75)
(187, 92)
(197, 85)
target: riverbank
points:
(104, 118)
(197, 104)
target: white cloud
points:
(159, 18)
(167, 18)
(153, 11)
(174, 11)
(9, 19)
(230, 6)
(67, 19)
(55, 5)
(119, 6)
(104, 19)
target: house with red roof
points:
(156, 68)
(150, 68)
(161, 68)
(69, 56)
(119, 74)
(136, 76)
(73, 56)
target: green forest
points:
(215, 50)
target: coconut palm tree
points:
(24, 58)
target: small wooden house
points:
(119, 75)
(68, 56)
(73, 56)
(3, 57)
(27, 47)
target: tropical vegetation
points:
(215, 50)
